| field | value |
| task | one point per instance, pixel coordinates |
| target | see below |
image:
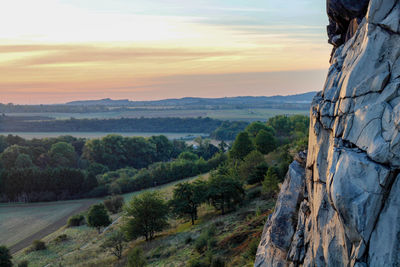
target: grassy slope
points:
(19, 222)
(235, 233)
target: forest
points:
(68, 168)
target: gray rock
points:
(346, 211)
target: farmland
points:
(244, 114)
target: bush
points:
(136, 258)
(76, 220)
(188, 240)
(114, 204)
(61, 238)
(23, 263)
(38, 245)
(197, 263)
(5, 257)
(97, 216)
(218, 262)
(206, 240)
(256, 193)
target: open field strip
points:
(21, 224)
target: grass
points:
(20, 221)
(236, 235)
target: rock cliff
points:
(341, 205)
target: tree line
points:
(67, 167)
(159, 125)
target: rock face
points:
(343, 209)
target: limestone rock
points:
(348, 212)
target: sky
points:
(55, 51)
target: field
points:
(91, 135)
(222, 114)
(20, 224)
(235, 238)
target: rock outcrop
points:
(343, 208)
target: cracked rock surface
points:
(343, 207)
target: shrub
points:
(136, 258)
(201, 243)
(23, 263)
(114, 204)
(251, 251)
(254, 194)
(61, 238)
(206, 240)
(218, 262)
(197, 263)
(76, 220)
(270, 183)
(38, 245)
(5, 257)
(98, 217)
(188, 240)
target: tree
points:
(242, 146)
(254, 128)
(222, 146)
(114, 204)
(265, 142)
(271, 181)
(5, 257)
(63, 154)
(249, 164)
(23, 161)
(186, 155)
(115, 243)
(186, 199)
(224, 191)
(98, 217)
(163, 147)
(9, 157)
(136, 258)
(146, 214)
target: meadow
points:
(236, 235)
(20, 224)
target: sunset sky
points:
(54, 51)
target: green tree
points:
(98, 217)
(254, 128)
(63, 154)
(187, 197)
(146, 214)
(271, 182)
(5, 257)
(23, 161)
(265, 142)
(242, 146)
(224, 191)
(9, 156)
(136, 258)
(249, 164)
(186, 155)
(163, 146)
(115, 243)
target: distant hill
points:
(101, 102)
(305, 98)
